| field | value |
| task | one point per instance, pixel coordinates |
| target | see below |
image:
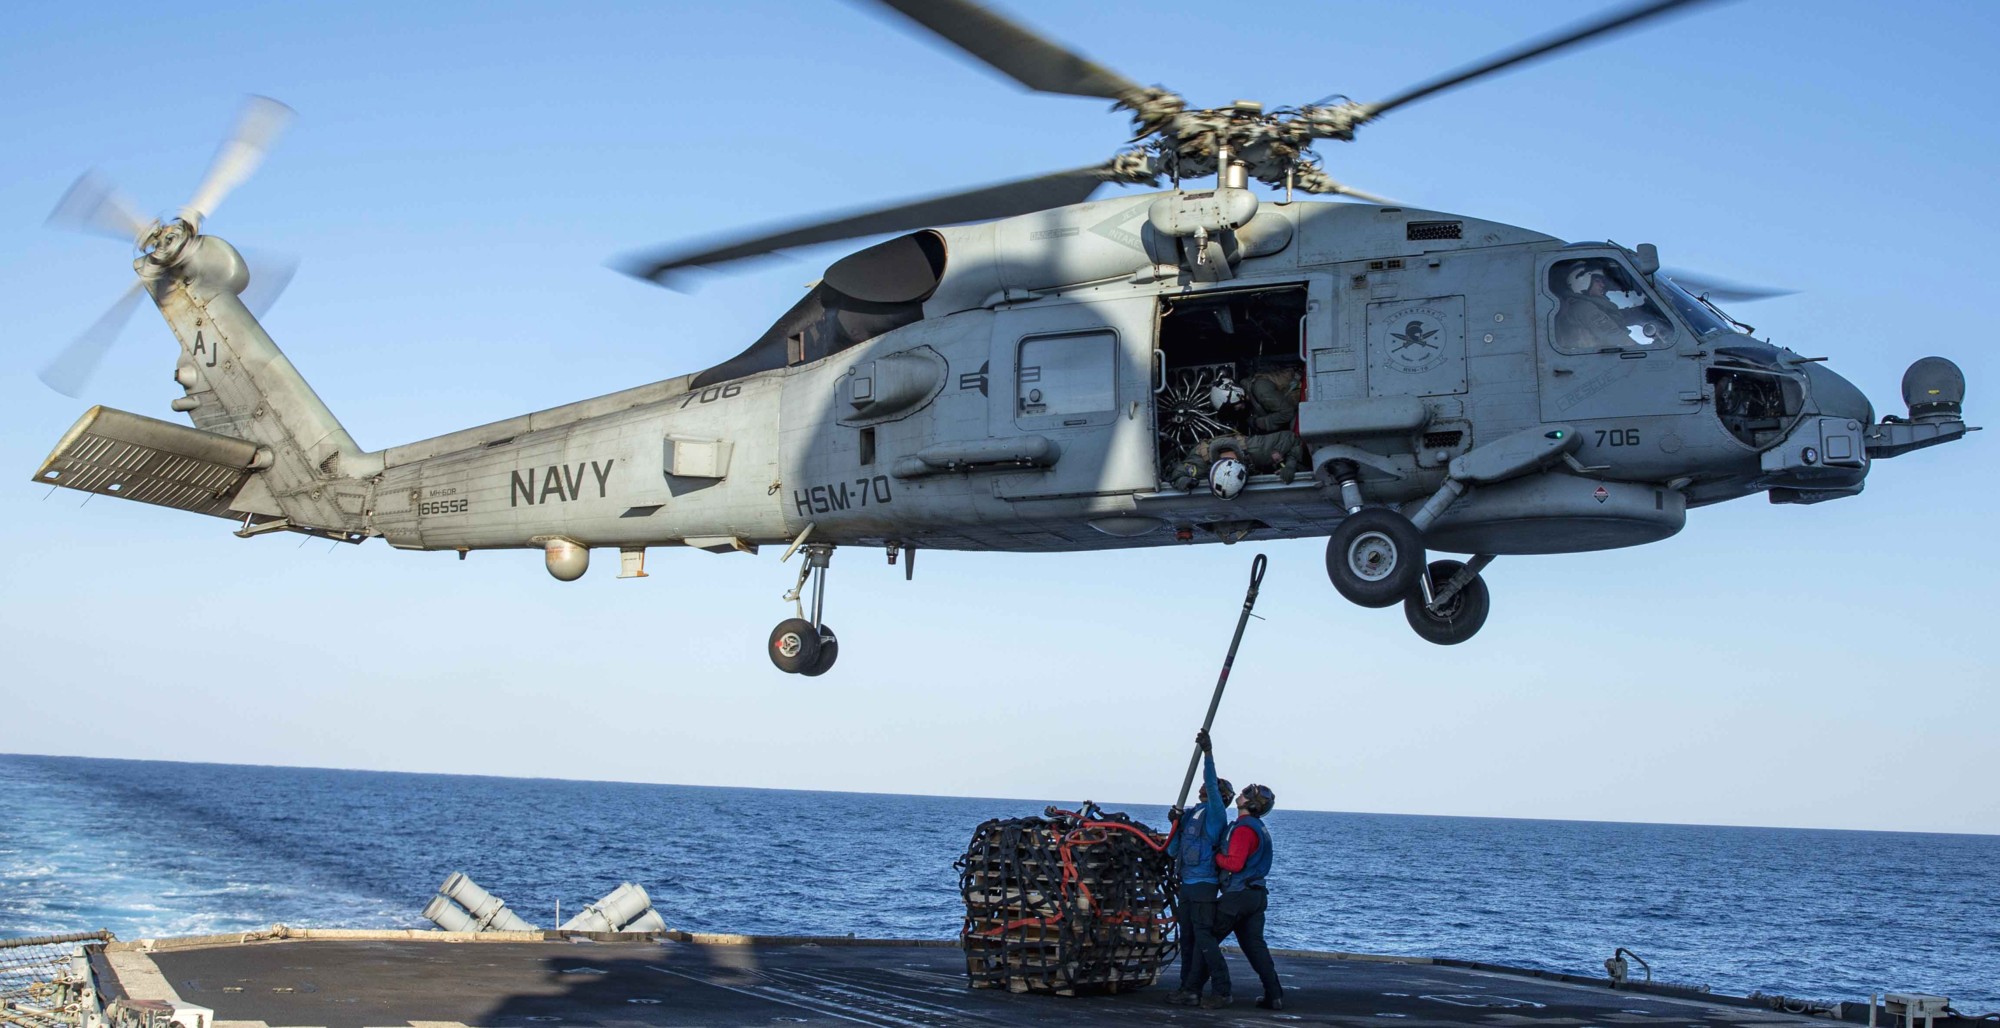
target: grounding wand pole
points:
(1222, 680)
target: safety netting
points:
(1077, 901)
(43, 980)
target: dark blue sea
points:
(149, 848)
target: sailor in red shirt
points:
(1245, 860)
(1237, 849)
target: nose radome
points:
(1835, 396)
(1934, 389)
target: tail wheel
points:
(794, 646)
(1458, 618)
(1374, 557)
(829, 651)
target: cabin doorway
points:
(1210, 339)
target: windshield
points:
(1701, 315)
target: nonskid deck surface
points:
(342, 984)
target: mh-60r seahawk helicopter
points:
(1064, 375)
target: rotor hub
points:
(1274, 148)
(167, 241)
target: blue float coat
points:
(1259, 864)
(1200, 831)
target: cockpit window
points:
(1600, 307)
(1700, 313)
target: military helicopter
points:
(1021, 368)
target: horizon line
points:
(1004, 799)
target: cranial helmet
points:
(1258, 799)
(1225, 394)
(1227, 477)
(1228, 791)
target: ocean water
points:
(150, 848)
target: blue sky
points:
(459, 174)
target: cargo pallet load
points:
(1071, 903)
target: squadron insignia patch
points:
(1416, 347)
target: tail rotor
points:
(93, 206)
(257, 128)
(71, 369)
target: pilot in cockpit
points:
(1602, 308)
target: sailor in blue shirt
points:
(1196, 840)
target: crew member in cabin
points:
(1195, 841)
(1245, 860)
(1274, 398)
(1225, 454)
(1271, 453)
(1274, 415)
(1267, 413)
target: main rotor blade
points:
(93, 205)
(1613, 22)
(256, 129)
(1313, 180)
(1020, 52)
(1722, 290)
(73, 365)
(996, 201)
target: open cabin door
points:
(1078, 375)
(1256, 338)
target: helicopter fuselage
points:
(1028, 419)
(1068, 380)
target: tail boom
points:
(239, 385)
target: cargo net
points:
(41, 984)
(1078, 901)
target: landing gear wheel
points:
(794, 646)
(829, 651)
(1459, 618)
(1374, 557)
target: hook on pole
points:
(1257, 567)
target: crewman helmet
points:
(1225, 394)
(1227, 477)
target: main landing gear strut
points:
(801, 645)
(1376, 558)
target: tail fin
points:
(240, 385)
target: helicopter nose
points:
(1836, 397)
(1825, 455)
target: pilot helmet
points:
(1227, 477)
(1225, 394)
(1579, 276)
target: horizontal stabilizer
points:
(113, 453)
